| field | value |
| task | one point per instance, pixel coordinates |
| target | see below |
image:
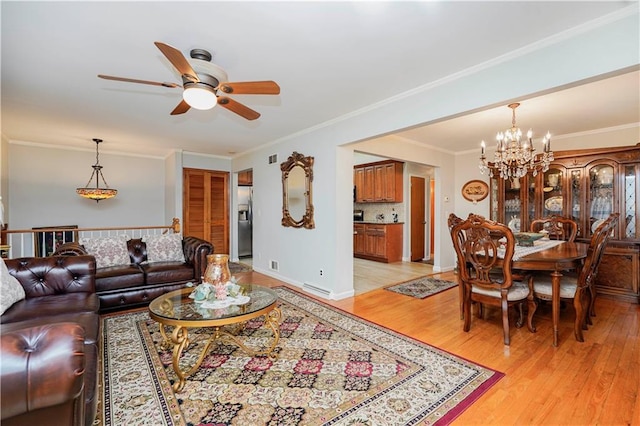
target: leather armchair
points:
(51, 339)
(42, 374)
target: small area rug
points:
(333, 368)
(235, 267)
(422, 287)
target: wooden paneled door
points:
(417, 218)
(206, 207)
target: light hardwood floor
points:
(589, 383)
(369, 275)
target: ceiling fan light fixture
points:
(200, 96)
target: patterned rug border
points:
(462, 405)
(416, 279)
(450, 402)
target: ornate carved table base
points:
(180, 340)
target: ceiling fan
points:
(203, 81)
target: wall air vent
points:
(273, 158)
(273, 265)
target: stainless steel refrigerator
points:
(245, 221)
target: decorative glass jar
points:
(217, 271)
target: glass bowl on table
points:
(526, 239)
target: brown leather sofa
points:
(137, 284)
(49, 343)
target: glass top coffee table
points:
(177, 310)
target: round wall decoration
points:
(475, 190)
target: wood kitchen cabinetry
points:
(378, 241)
(379, 182)
(206, 207)
(587, 186)
(245, 178)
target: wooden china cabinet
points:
(587, 186)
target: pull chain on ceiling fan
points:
(201, 87)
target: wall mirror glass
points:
(297, 203)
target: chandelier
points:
(96, 193)
(515, 157)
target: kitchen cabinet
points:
(378, 241)
(245, 178)
(379, 182)
(206, 207)
(358, 238)
(587, 186)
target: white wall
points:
(4, 179)
(43, 180)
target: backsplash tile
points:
(373, 210)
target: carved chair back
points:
(487, 248)
(558, 227)
(482, 245)
(597, 244)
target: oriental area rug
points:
(422, 287)
(332, 368)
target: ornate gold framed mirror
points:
(297, 203)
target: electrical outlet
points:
(322, 272)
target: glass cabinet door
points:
(552, 192)
(575, 199)
(494, 199)
(533, 211)
(601, 194)
(630, 221)
(512, 204)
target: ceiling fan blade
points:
(251, 88)
(238, 108)
(178, 60)
(133, 80)
(181, 108)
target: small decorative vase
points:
(217, 271)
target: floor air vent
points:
(314, 288)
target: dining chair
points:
(557, 227)
(486, 248)
(579, 286)
(451, 222)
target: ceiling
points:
(331, 59)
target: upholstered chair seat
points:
(518, 291)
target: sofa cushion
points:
(108, 251)
(167, 272)
(10, 289)
(163, 248)
(47, 307)
(117, 277)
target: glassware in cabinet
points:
(601, 194)
(552, 192)
(630, 202)
(575, 200)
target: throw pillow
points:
(108, 251)
(163, 248)
(11, 292)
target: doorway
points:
(418, 219)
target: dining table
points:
(555, 257)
